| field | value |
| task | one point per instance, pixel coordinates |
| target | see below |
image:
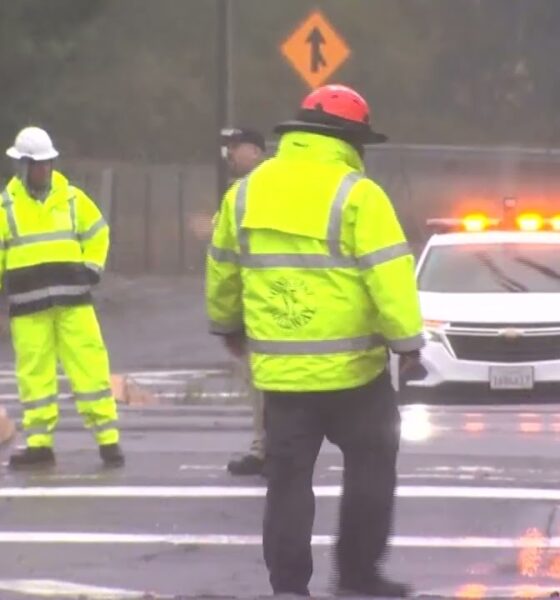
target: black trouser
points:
(364, 424)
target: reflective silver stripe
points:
(93, 267)
(407, 344)
(55, 290)
(384, 255)
(366, 342)
(101, 395)
(8, 205)
(240, 206)
(97, 226)
(223, 255)
(219, 328)
(29, 431)
(34, 238)
(73, 220)
(335, 218)
(304, 261)
(105, 427)
(39, 403)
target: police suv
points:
(490, 298)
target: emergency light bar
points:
(479, 222)
(471, 223)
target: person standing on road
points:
(244, 149)
(310, 268)
(54, 243)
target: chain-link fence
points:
(161, 215)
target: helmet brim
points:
(364, 137)
(17, 155)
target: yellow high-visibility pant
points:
(72, 336)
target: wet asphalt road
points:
(476, 512)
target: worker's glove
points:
(411, 367)
(93, 276)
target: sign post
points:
(222, 90)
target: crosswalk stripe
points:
(321, 491)
(66, 589)
(175, 372)
(187, 539)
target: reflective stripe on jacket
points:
(309, 258)
(47, 245)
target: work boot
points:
(32, 457)
(376, 586)
(246, 465)
(111, 455)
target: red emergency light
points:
(555, 223)
(530, 222)
(474, 223)
(480, 222)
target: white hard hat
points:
(34, 143)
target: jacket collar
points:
(316, 147)
(57, 193)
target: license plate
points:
(512, 378)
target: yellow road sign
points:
(315, 49)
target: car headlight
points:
(434, 330)
(415, 423)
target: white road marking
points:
(431, 476)
(159, 381)
(400, 541)
(149, 373)
(201, 468)
(480, 590)
(180, 394)
(176, 372)
(60, 589)
(200, 395)
(321, 491)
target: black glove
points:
(410, 366)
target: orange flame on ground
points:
(474, 426)
(554, 566)
(529, 591)
(530, 558)
(473, 591)
(530, 427)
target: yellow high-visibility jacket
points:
(308, 257)
(51, 250)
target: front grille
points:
(523, 349)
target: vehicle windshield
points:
(492, 268)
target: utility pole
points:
(230, 51)
(224, 87)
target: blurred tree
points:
(135, 79)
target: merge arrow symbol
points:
(315, 40)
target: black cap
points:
(244, 136)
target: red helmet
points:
(334, 110)
(339, 101)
